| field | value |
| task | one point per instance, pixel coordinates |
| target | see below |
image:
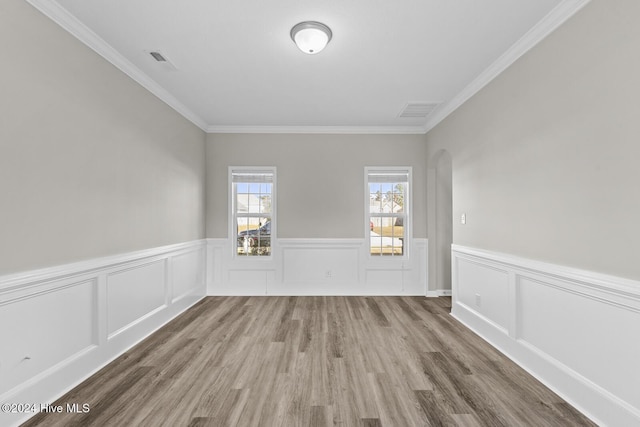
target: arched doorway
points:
(440, 222)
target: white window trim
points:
(232, 206)
(408, 206)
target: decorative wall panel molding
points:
(62, 324)
(575, 330)
(316, 267)
(134, 293)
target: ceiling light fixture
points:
(310, 36)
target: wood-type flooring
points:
(314, 361)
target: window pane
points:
(265, 188)
(265, 204)
(374, 206)
(377, 203)
(388, 203)
(254, 236)
(252, 204)
(253, 197)
(398, 198)
(242, 203)
(387, 236)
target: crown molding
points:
(535, 35)
(411, 130)
(68, 22)
(548, 24)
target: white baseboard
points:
(316, 267)
(576, 331)
(67, 322)
(439, 293)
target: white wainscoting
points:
(62, 324)
(576, 331)
(316, 267)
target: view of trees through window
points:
(253, 213)
(387, 217)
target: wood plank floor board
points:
(354, 305)
(443, 386)
(345, 410)
(466, 420)
(314, 361)
(203, 422)
(405, 308)
(320, 417)
(524, 396)
(434, 408)
(397, 406)
(376, 312)
(371, 422)
(410, 372)
(570, 416)
(357, 384)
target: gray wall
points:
(440, 228)
(91, 164)
(320, 178)
(545, 158)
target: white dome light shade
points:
(311, 37)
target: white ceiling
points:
(237, 70)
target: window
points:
(253, 211)
(387, 207)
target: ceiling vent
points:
(417, 109)
(161, 59)
(158, 56)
